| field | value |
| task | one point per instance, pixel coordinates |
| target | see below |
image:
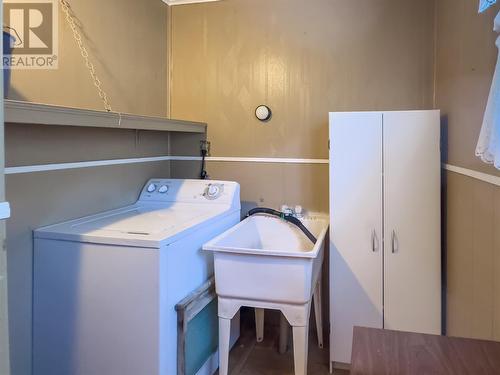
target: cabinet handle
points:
(374, 241)
(394, 240)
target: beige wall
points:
(473, 258)
(269, 185)
(466, 57)
(303, 59)
(127, 43)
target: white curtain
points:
(488, 146)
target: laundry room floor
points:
(251, 358)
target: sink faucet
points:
(291, 218)
(296, 212)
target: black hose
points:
(291, 219)
(203, 173)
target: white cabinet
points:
(385, 266)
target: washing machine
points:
(105, 286)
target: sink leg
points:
(284, 326)
(318, 312)
(300, 349)
(224, 337)
(259, 324)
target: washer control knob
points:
(163, 189)
(213, 191)
(151, 188)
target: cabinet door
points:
(412, 210)
(356, 227)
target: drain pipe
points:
(289, 218)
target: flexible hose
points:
(291, 219)
(203, 173)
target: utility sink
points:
(268, 259)
(265, 262)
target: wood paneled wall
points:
(466, 57)
(127, 43)
(303, 59)
(473, 258)
(465, 62)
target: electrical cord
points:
(203, 173)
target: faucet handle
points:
(299, 211)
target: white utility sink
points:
(268, 259)
(267, 263)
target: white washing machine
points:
(105, 286)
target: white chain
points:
(78, 38)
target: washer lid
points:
(141, 225)
(139, 220)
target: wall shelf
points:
(20, 112)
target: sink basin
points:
(265, 258)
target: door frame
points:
(4, 214)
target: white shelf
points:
(19, 112)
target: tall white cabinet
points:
(385, 265)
